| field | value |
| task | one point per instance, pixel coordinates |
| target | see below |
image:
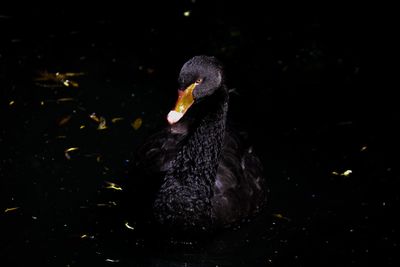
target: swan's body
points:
(207, 177)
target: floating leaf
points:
(280, 216)
(100, 120)
(94, 117)
(113, 186)
(128, 226)
(66, 152)
(137, 123)
(102, 124)
(114, 120)
(345, 173)
(58, 78)
(109, 204)
(64, 120)
(70, 83)
(65, 99)
(85, 236)
(10, 209)
(71, 149)
(111, 260)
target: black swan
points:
(203, 175)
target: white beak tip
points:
(174, 116)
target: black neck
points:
(190, 181)
(198, 157)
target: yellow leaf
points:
(137, 123)
(64, 120)
(114, 120)
(102, 124)
(66, 152)
(113, 186)
(10, 209)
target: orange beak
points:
(185, 100)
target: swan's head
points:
(201, 76)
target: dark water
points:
(303, 89)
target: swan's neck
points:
(198, 158)
(188, 186)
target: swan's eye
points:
(199, 81)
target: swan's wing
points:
(152, 159)
(158, 152)
(254, 178)
(240, 185)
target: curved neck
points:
(197, 160)
(188, 185)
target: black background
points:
(310, 87)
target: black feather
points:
(196, 174)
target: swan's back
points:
(240, 184)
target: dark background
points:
(309, 90)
